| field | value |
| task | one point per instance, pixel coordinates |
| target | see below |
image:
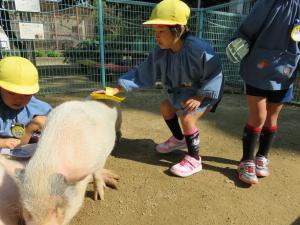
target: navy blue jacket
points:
(193, 71)
(273, 56)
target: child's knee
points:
(187, 120)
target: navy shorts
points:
(280, 96)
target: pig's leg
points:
(103, 178)
(98, 185)
(110, 178)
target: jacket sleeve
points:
(254, 22)
(211, 81)
(142, 76)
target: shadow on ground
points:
(143, 150)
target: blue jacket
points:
(273, 56)
(193, 71)
(9, 117)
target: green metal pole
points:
(200, 22)
(101, 42)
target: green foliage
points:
(5, 53)
(40, 53)
(53, 54)
(43, 53)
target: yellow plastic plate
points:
(97, 96)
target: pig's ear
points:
(57, 184)
(19, 174)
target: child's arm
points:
(34, 126)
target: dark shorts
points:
(280, 96)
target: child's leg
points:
(35, 126)
(267, 138)
(169, 114)
(250, 137)
(256, 119)
(191, 163)
(191, 132)
(177, 140)
(269, 130)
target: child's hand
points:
(192, 103)
(10, 143)
(108, 91)
(99, 92)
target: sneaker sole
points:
(170, 150)
(245, 180)
(248, 181)
(262, 174)
(186, 174)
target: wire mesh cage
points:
(65, 39)
(55, 36)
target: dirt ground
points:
(149, 195)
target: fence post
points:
(200, 22)
(101, 42)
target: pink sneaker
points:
(170, 145)
(188, 166)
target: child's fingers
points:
(99, 92)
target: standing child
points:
(21, 114)
(267, 44)
(191, 74)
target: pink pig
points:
(76, 141)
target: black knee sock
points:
(173, 125)
(250, 137)
(266, 140)
(193, 143)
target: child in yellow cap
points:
(191, 74)
(22, 116)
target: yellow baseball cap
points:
(19, 75)
(169, 12)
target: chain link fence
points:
(64, 39)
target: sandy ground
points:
(149, 195)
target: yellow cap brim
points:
(161, 22)
(24, 90)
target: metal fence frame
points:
(98, 43)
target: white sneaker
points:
(261, 166)
(247, 173)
